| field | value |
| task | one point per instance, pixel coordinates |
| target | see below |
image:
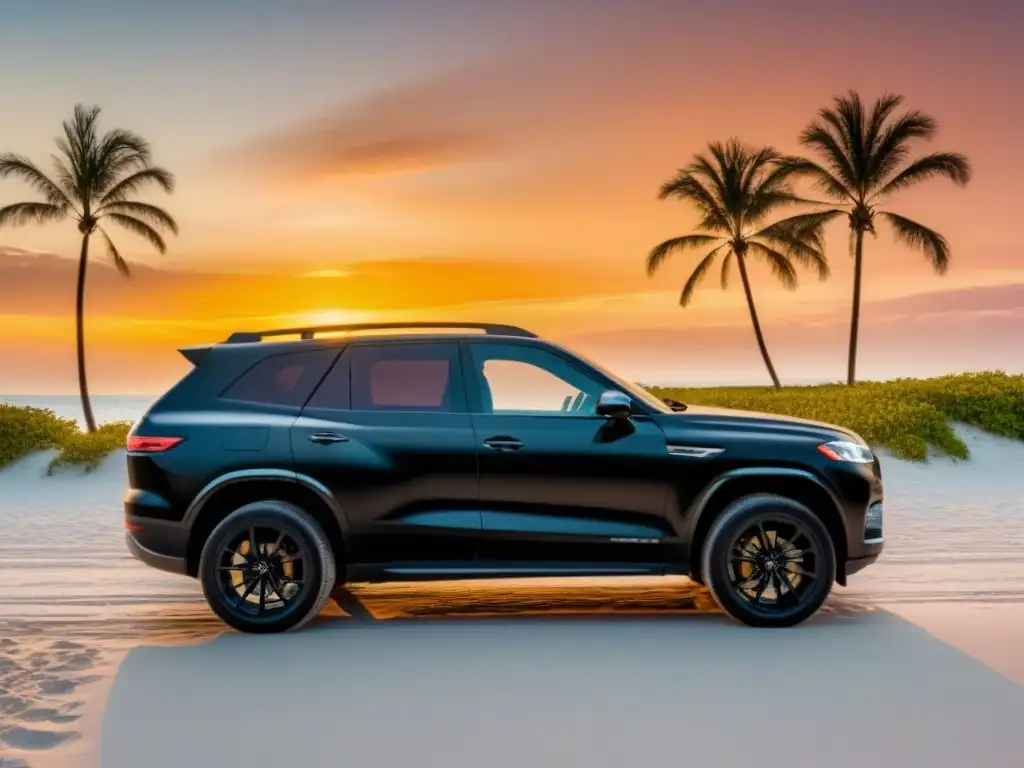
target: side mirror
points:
(614, 405)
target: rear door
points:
(389, 434)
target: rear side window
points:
(406, 377)
(283, 379)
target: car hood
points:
(701, 418)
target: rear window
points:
(417, 377)
(282, 379)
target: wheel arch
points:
(797, 484)
(226, 493)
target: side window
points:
(523, 379)
(282, 379)
(405, 377)
(333, 391)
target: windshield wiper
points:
(675, 405)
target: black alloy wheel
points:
(267, 567)
(769, 561)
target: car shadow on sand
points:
(502, 674)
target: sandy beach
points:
(99, 653)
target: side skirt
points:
(434, 571)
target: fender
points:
(695, 510)
(250, 475)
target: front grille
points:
(873, 522)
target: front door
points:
(387, 431)
(562, 490)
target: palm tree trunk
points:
(851, 365)
(83, 386)
(756, 323)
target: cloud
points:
(433, 123)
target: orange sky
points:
(503, 165)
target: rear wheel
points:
(769, 561)
(267, 567)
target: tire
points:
(302, 560)
(797, 569)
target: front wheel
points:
(769, 561)
(267, 567)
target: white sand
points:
(592, 690)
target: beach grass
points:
(24, 430)
(909, 417)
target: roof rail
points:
(309, 332)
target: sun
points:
(330, 317)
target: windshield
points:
(634, 390)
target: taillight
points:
(140, 444)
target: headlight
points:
(841, 450)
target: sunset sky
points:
(500, 161)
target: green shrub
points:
(24, 430)
(906, 416)
(88, 449)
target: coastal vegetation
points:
(95, 180)
(908, 417)
(24, 430)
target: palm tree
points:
(735, 190)
(864, 154)
(94, 178)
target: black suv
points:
(276, 470)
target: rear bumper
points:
(151, 537)
(162, 562)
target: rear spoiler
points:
(196, 355)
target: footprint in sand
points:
(32, 740)
(35, 712)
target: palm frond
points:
(922, 238)
(726, 267)
(880, 112)
(779, 263)
(152, 214)
(952, 165)
(759, 166)
(119, 152)
(820, 177)
(120, 263)
(140, 228)
(136, 181)
(26, 170)
(801, 237)
(686, 187)
(850, 113)
(78, 145)
(660, 253)
(894, 145)
(817, 136)
(725, 177)
(764, 201)
(19, 214)
(698, 275)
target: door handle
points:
(326, 438)
(504, 443)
